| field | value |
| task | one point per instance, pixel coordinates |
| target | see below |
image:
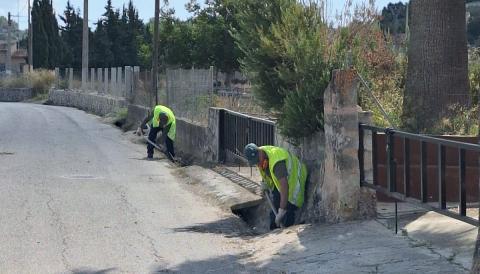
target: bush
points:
(39, 80)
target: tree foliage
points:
(288, 57)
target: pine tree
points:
(71, 35)
(47, 45)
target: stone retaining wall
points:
(90, 102)
(15, 94)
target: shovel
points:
(272, 207)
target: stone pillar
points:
(99, 80)
(92, 78)
(341, 189)
(70, 78)
(107, 79)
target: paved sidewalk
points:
(356, 247)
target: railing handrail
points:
(423, 138)
(250, 117)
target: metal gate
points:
(237, 130)
(410, 174)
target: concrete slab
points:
(219, 189)
(355, 247)
(453, 239)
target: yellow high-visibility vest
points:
(171, 120)
(297, 173)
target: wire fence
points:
(188, 92)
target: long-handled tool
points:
(272, 207)
(159, 148)
(155, 145)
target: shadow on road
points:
(91, 271)
(229, 227)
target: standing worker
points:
(283, 173)
(160, 119)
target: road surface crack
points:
(62, 230)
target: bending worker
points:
(160, 119)
(283, 173)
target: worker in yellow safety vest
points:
(160, 119)
(284, 174)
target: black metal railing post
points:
(423, 173)
(361, 153)
(391, 177)
(406, 167)
(374, 158)
(461, 178)
(442, 189)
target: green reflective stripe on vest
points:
(297, 173)
(171, 120)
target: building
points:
(18, 56)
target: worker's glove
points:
(139, 131)
(279, 218)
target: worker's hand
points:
(279, 218)
(139, 131)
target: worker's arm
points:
(280, 170)
(283, 192)
(146, 119)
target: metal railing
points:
(237, 130)
(391, 188)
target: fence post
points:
(92, 79)
(70, 78)
(106, 80)
(113, 81)
(391, 173)
(99, 80)
(361, 152)
(57, 77)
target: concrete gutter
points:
(219, 189)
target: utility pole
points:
(30, 40)
(85, 45)
(155, 51)
(8, 63)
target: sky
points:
(145, 7)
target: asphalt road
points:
(75, 197)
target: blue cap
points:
(251, 153)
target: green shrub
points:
(39, 80)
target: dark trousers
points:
(152, 136)
(289, 218)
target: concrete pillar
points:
(212, 151)
(57, 77)
(106, 81)
(70, 78)
(341, 188)
(120, 85)
(128, 82)
(92, 79)
(99, 80)
(113, 85)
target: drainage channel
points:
(239, 180)
(256, 217)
